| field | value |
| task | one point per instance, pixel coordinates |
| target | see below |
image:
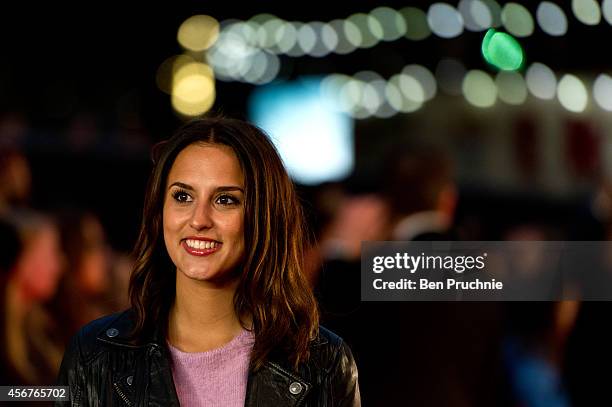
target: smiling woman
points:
(221, 311)
(203, 213)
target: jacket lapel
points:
(162, 391)
(152, 371)
(274, 386)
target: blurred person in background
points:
(15, 179)
(536, 332)
(581, 352)
(421, 193)
(86, 291)
(32, 348)
(413, 353)
(221, 313)
(350, 219)
(535, 351)
(416, 201)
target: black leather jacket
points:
(102, 368)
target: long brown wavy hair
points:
(272, 288)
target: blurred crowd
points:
(456, 353)
(58, 271)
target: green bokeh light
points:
(502, 51)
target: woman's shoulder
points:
(330, 347)
(334, 360)
(328, 337)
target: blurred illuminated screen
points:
(314, 139)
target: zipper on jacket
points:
(122, 395)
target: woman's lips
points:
(200, 252)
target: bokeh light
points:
(350, 96)
(353, 34)
(307, 38)
(602, 91)
(297, 50)
(412, 89)
(511, 87)
(314, 140)
(445, 21)
(572, 93)
(385, 109)
(198, 32)
(425, 79)
(329, 38)
(167, 69)
(606, 10)
(250, 31)
(495, 11)
(541, 81)
(263, 67)
(258, 22)
(517, 20)
(330, 88)
(344, 45)
(393, 93)
(551, 18)
(376, 28)
(364, 24)
(267, 33)
(476, 15)
(391, 21)
(371, 95)
(587, 11)
(230, 56)
(417, 27)
(479, 89)
(193, 89)
(404, 93)
(286, 37)
(325, 39)
(502, 50)
(247, 51)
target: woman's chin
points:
(209, 276)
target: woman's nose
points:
(201, 217)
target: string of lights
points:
(249, 51)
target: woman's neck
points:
(202, 316)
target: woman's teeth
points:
(201, 244)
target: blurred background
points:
(470, 120)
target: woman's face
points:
(203, 215)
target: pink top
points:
(217, 377)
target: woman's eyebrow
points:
(224, 188)
(230, 188)
(181, 185)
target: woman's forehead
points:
(203, 161)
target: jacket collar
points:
(117, 332)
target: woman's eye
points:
(227, 200)
(181, 196)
